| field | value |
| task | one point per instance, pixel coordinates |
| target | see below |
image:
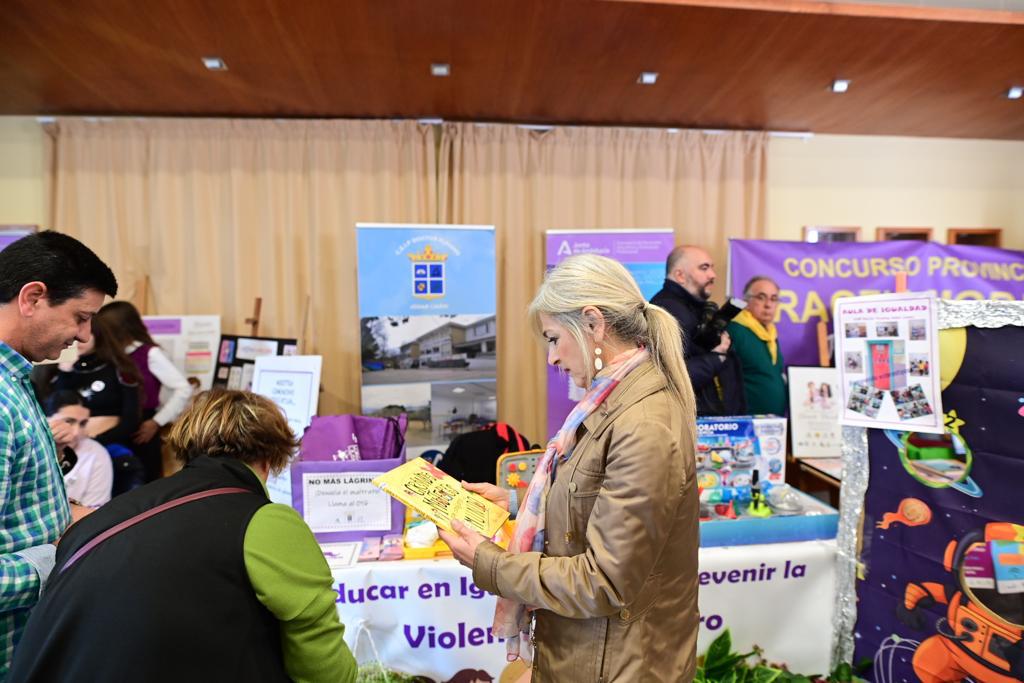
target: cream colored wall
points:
(23, 172)
(886, 181)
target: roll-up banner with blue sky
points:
(428, 327)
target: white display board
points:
(293, 383)
(814, 405)
(190, 341)
(427, 617)
(887, 352)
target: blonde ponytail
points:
(667, 350)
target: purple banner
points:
(163, 325)
(11, 234)
(940, 595)
(643, 252)
(811, 276)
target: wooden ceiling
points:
(529, 61)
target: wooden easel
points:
(140, 297)
(304, 341)
(254, 321)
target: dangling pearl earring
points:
(598, 363)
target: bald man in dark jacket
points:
(715, 373)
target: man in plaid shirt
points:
(50, 287)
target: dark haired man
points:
(50, 287)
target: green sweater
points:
(291, 578)
(763, 382)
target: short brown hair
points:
(234, 424)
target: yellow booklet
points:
(441, 498)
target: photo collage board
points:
(887, 356)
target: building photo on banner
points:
(428, 328)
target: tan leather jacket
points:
(616, 586)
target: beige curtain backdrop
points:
(707, 186)
(218, 212)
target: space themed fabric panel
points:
(941, 585)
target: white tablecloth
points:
(427, 617)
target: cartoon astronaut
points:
(981, 635)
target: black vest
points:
(167, 600)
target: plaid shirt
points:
(33, 506)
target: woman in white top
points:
(91, 478)
(157, 372)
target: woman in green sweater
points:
(755, 343)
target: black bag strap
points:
(142, 516)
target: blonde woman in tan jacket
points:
(601, 575)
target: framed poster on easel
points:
(237, 354)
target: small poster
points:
(190, 341)
(814, 412)
(293, 383)
(887, 352)
(236, 358)
(344, 501)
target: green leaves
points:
(842, 674)
(722, 665)
(719, 650)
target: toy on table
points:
(732, 502)
(728, 449)
(514, 470)
(758, 505)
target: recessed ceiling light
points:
(440, 70)
(1015, 93)
(458, 390)
(214, 64)
(648, 78)
(840, 85)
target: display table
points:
(823, 471)
(427, 617)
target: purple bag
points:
(346, 445)
(354, 437)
